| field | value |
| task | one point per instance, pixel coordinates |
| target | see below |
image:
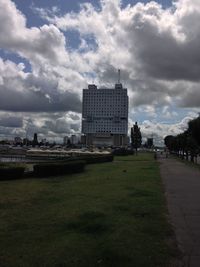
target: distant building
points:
(105, 116)
(44, 141)
(18, 140)
(65, 140)
(35, 139)
(83, 139)
(26, 142)
(74, 139)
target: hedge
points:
(90, 159)
(58, 168)
(122, 152)
(11, 172)
(99, 159)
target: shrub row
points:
(98, 158)
(58, 168)
(72, 165)
(11, 172)
(122, 152)
(90, 159)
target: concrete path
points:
(182, 187)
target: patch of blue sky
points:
(164, 3)
(64, 6)
(90, 76)
(32, 20)
(27, 8)
(73, 39)
(90, 43)
(6, 55)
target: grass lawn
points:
(113, 214)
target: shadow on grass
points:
(114, 257)
(135, 192)
(92, 222)
(149, 168)
(133, 160)
(143, 212)
(122, 208)
(7, 205)
(136, 211)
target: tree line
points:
(187, 144)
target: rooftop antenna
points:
(118, 75)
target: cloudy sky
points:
(51, 49)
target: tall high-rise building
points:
(105, 115)
(35, 139)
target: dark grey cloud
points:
(37, 101)
(22, 92)
(191, 98)
(12, 122)
(57, 126)
(161, 56)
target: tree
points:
(194, 129)
(136, 137)
(192, 147)
(182, 144)
(186, 143)
(168, 140)
(172, 143)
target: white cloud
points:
(159, 130)
(28, 92)
(157, 50)
(39, 45)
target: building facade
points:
(105, 116)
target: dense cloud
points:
(12, 122)
(53, 126)
(158, 130)
(146, 41)
(27, 92)
(156, 48)
(37, 101)
(39, 45)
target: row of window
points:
(103, 93)
(120, 131)
(109, 99)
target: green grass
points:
(113, 214)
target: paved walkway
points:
(182, 187)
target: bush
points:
(58, 168)
(90, 159)
(122, 152)
(98, 159)
(9, 172)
